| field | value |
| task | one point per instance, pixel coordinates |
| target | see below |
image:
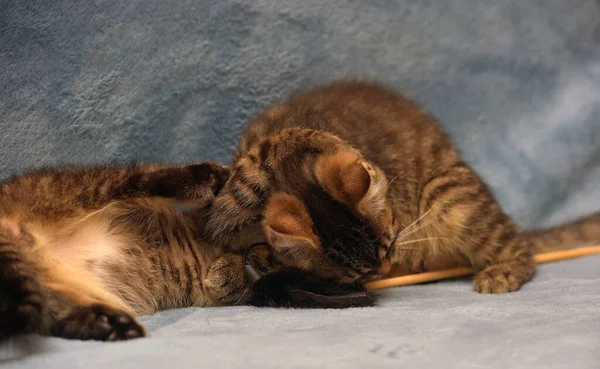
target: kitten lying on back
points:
(349, 179)
(84, 250)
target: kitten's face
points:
(323, 207)
(340, 227)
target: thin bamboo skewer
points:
(406, 280)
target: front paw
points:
(225, 282)
(499, 278)
(212, 174)
(97, 322)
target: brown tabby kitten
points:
(83, 250)
(348, 178)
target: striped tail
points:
(582, 232)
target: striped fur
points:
(84, 250)
(366, 172)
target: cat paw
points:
(98, 322)
(213, 174)
(225, 282)
(499, 278)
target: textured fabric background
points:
(515, 82)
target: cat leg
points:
(469, 221)
(22, 299)
(79, 308)
(50, 298)
(195, 182)
(66, 193)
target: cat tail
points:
(21, 298)
(582, 232)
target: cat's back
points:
(384, 125)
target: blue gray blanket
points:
(516, 83)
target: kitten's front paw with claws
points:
(98, 322)
(499, 278)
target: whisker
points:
(242, 297)
(413, 224)
(420, 240)
(393, 179)
(417, 228)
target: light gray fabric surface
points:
(516, 83)
(553, 322)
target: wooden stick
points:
(460, 272)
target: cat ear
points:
(288, 224)
(344, 176)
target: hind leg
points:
(54, 299)
(22, 300)
(81, 309)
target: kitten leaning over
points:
(84, 250)
(350, 179)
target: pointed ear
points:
(288, 224)
(344, 176)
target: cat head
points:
(324, 208)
